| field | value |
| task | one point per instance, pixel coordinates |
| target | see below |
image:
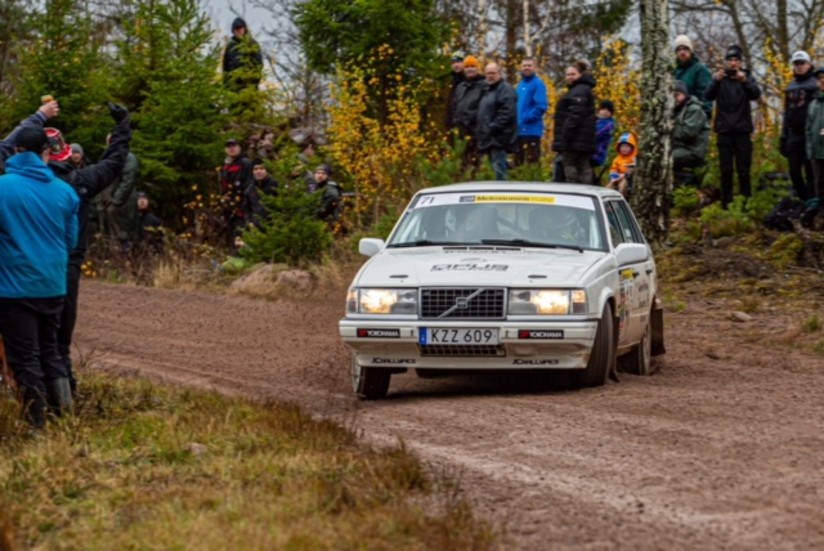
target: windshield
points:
(501, 218)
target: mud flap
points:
(658, 328)
(613, 370)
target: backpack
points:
(781, 216)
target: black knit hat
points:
(681, 88)
(326, 168)
(32, 139)
(734, 51)
(239, 23)
(609, 105)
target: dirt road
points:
(724, 448)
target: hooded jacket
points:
(575, 118)
(697, 77)
(38, 228)
(797, 98)
(532, 104)
(690, 134)
(497, 126)
(622, 163)
(733, 113)
(242, 54)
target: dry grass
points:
(147, 467)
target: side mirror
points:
(369, 246)
(631, 253)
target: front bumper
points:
(396, 344)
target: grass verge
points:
(143, 466)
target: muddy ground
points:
(723, 448)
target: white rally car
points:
(505, 275)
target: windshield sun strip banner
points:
(555, 199)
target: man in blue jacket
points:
(532, 104)
(38, 229)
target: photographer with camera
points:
(733, 88)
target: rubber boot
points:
(60, 395)
(34, 407)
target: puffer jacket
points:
(690, 134)
(575, 118)
(622, 163)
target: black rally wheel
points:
(602, 356)
(370, 383)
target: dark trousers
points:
(818, 188)
(529, 150)
(29, 328)
(801, 169)
(735, 154)
(68, 319)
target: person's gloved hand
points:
(119, 113)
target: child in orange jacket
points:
(620, 173)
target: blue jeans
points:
(498, 159)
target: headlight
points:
(382, 301)
(547, 302)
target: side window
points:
(632, 233)
(616, 235)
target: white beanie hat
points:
(683, 40)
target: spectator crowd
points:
(52, 197)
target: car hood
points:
(468, 266)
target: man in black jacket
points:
(793, 144)
(87, 182)
(467, 97)
(496, 132)
(733, 88)
(242, 59)
(575, 134)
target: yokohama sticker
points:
(379, 333)
(545, 334)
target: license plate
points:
(445, 335)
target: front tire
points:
(370, 383)
(639, 361)
(602, 357)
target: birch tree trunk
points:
(653, 180)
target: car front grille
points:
(464, 350)
(462, 303)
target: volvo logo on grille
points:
(462, 303)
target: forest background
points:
(367, 79)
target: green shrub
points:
(292, 234)
(785, 250)
(686, 201)
(732, 221)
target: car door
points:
(625, 280)
(638, 277)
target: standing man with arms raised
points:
(497, 130)
(87, 182)
(38, 228)
(532, 105)
(732, 89)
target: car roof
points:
(530, 187)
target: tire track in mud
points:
(724, 448)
